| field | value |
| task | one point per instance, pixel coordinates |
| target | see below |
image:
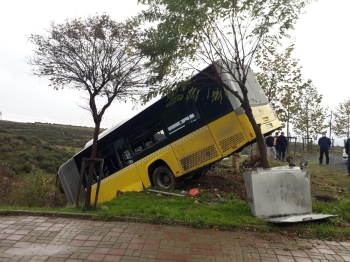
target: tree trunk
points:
(92, 165)
(260, 139)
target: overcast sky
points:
(321, 41)
(27, 98)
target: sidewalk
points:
(34, 238)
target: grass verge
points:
(330, 195)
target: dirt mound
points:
(219, 182)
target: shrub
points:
(40, 157)
(51, 170)
(20, 137)
(5, 170)
(8, 138)
(35, 141)
(47, 163)
(47, 147)
(15, 143)
(6, 178)
(36, 190)
(6, 148)
(17, 168)
(26, 156)
(27, 167)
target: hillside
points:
(25, 146)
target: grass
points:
(184, 210)
(330, 190)
(169, 210)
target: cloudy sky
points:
(321, 37)
(27, 98)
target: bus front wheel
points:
(163, 177)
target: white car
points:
(345, 156)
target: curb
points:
(45, 213)
(177, 222)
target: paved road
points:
(33, 238)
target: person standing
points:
(275, 144)
(324, 143)
(347, 150)
(270, 148)
(282, 143)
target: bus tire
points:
(164, 178)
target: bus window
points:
(127, 158)
(96, 173)
(181, 123)
(111, 163)
(158, 133)
(155, 135)
(138, 150)
(123, 154)
(213, 109)
(178, 116)
(145, 135)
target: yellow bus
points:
(162, 145)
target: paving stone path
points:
(54, 239)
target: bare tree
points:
(97, 56)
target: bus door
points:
(119, 171)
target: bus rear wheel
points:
(164, 178)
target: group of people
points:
(277, 146)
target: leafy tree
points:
(280, 78)
(341, 125)
(97, 56)
(311, 118)
(192, 34)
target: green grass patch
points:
(183, 210)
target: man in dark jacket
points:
(282, 143)
(347, 150)
(324, 143)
